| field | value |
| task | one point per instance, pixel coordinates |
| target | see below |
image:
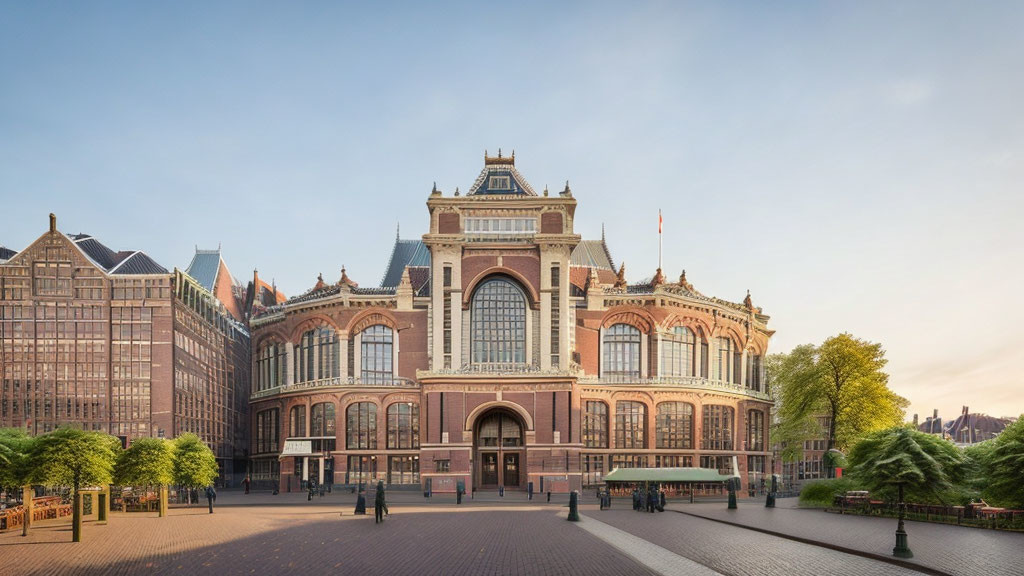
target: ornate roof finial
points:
(748, 302)
(398, 231)
(499, 152)
(567, 191)
(602, 232)
(658, 279)
(620, 278)
(434, 191)
(684, 283)
(345, 280)
(456, 190)
(545, 190)
(319, 282)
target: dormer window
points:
(499, 183)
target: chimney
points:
(53, 222)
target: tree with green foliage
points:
(843, 380)
(907, 459)
(75, 458)
(195, 465)
(147, 462)
(15, 444)
(1001, 463)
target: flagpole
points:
(659, 239)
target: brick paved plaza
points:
(265, 534)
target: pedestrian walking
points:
(211, 497)
(661, 500)
(310, 489)
(652, 500)
(245, 484)
(379, 505)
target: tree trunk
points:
(830, 443)
(76, 516)
(26, 500)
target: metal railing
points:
(677, 382)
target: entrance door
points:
(511, 469)
(489, 468)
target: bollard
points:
(26, 499)
(574, 513)
(549, 496)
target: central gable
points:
(500, 178)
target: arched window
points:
(361, 426)
(404, 425)
(297, 422)
(720, 368)
(630, 425)
(716, 428)
(621, 352)
(674, 425)
(678, 352)
(498, 323)
(376, 355)
(322, 420)
(270, 366)
(755, 431)
(317, 355)
(595, 424)
(500, 428)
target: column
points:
(289, 364)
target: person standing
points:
(211, 497)
(379, 505)
(661, 500)
(245, 484)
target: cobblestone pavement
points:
(304, 538)
(737, 551)
(950, 549)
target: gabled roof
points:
(509, 182)
(138, 262)
(204, 267)
(6, 253)
(96, 250)
(412, 253)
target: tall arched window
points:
(270, 366)
(376, 355)
(317, 355)
(498, 323)
(361, 426)
(720, 368)
(404, 425)
(322, 420)
(755, 431)
(297, 422)
(630, 425)
(678, 352)
(716, 427)
(674, 425)
(595, 424)
(621, 352)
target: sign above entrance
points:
(297, 448)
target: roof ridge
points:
(122, 262)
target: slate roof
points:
(413, 253)
(592, 254)
(126, 262)
(500, 166)
(6, 253)
(204, 267)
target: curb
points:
(887, 559)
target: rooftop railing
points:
(676, 382)
(347, 381)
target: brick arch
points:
(311, 322)
(633, 315)
(480, 410)
(696, 325)
(733, 334)
(371, 317)
(533, 299)
(758, 345)
(272, 335)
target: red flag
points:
(659, 221)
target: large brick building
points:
(502, 349)
(113, 341)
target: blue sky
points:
(857, 166)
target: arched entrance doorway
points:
(498, 443)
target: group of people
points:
(649, 498)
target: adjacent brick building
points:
(113, 341)
(502, 349)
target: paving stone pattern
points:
(736, 551)
(294, 537)
(954, 550)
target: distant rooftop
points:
(126, 262)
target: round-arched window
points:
(498, 323)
